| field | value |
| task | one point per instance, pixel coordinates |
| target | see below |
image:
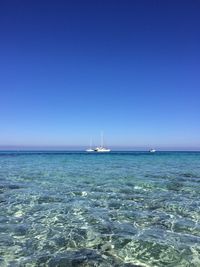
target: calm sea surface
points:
(115, 209)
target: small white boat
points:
(152, 150)
(90, 149)
(102, 148)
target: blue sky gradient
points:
(70, 69)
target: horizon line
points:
(113, 148)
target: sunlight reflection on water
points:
(119, 209)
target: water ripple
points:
(121, 209)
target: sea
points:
(122, 209)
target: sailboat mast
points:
(102, 139)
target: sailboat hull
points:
(101, 149)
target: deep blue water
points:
(115, 209)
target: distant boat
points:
(90, 149)
(102, 148)
(152, 150)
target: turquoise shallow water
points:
(116, 209)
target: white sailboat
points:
(102, 148)
(152, 150)
(90, 148)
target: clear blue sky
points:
(69, 69)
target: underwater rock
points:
(87, 258)
(13, 186)
(74, 258)
(21, 230)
